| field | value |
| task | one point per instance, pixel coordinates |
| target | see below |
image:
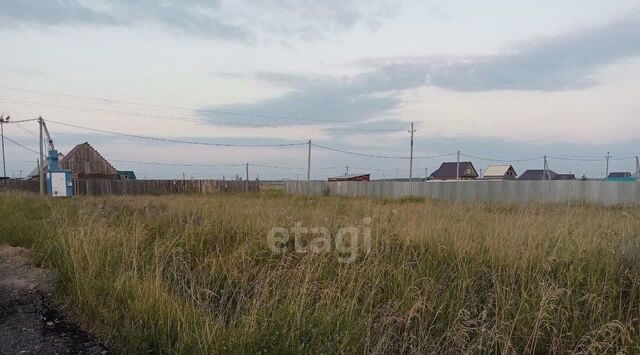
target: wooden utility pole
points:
(41, 165)
(309, 162)
(4, 166)
(411, 131)
(458, 166)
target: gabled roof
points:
(349, 177)
(448, 170)
(77, 148)
(64, 162)
(619, 174)
(565, 177)
(536, 174)
(129, 174)
(498, 170)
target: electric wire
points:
(222, 112)
(20, 145)
(170, 140)
(377, 155)
(501, 160)
(188, 119)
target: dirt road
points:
(28, 323)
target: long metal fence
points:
(596, 192)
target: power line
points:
(222, 112)
(174, 164)
(241, 165)
(379, 156)
(183, 118)
(21, 121)
(578, 159)
(19, 125)
(501, 160)
(21, 146)
(169, 140)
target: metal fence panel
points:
(598, 192)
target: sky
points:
(508, 81)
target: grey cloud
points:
(184, 16)
(326, 103)
(565, 62)
(232, 20)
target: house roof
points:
(536, 174)
(349, 176)
(77, 148)
(448, 170)
(619, 174)
(565, 177)
(64, 159)
(497, 170)
(128, 173)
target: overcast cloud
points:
(230, 20)
(564, 62)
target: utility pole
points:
(426, 174)
(347, 171)
(545, 172)
(247, 168)
(2, 121)
(309, 162)
(458, 167)
(607, 170)
(411, 131)
(637, 166)
(41, 165)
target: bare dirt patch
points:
(29, 324)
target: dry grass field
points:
(195, 274)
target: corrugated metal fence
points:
(141, 187)
(597, 192)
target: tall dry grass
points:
(194, 275)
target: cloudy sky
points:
(506, 80)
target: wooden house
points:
(85, 162)
(499, 172)
(538, 174)
(447, 171)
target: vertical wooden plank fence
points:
(97, 187)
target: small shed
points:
(537, 174)
(500, 172)
(351, 177)
(447, 171)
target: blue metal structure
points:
(59, 181)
